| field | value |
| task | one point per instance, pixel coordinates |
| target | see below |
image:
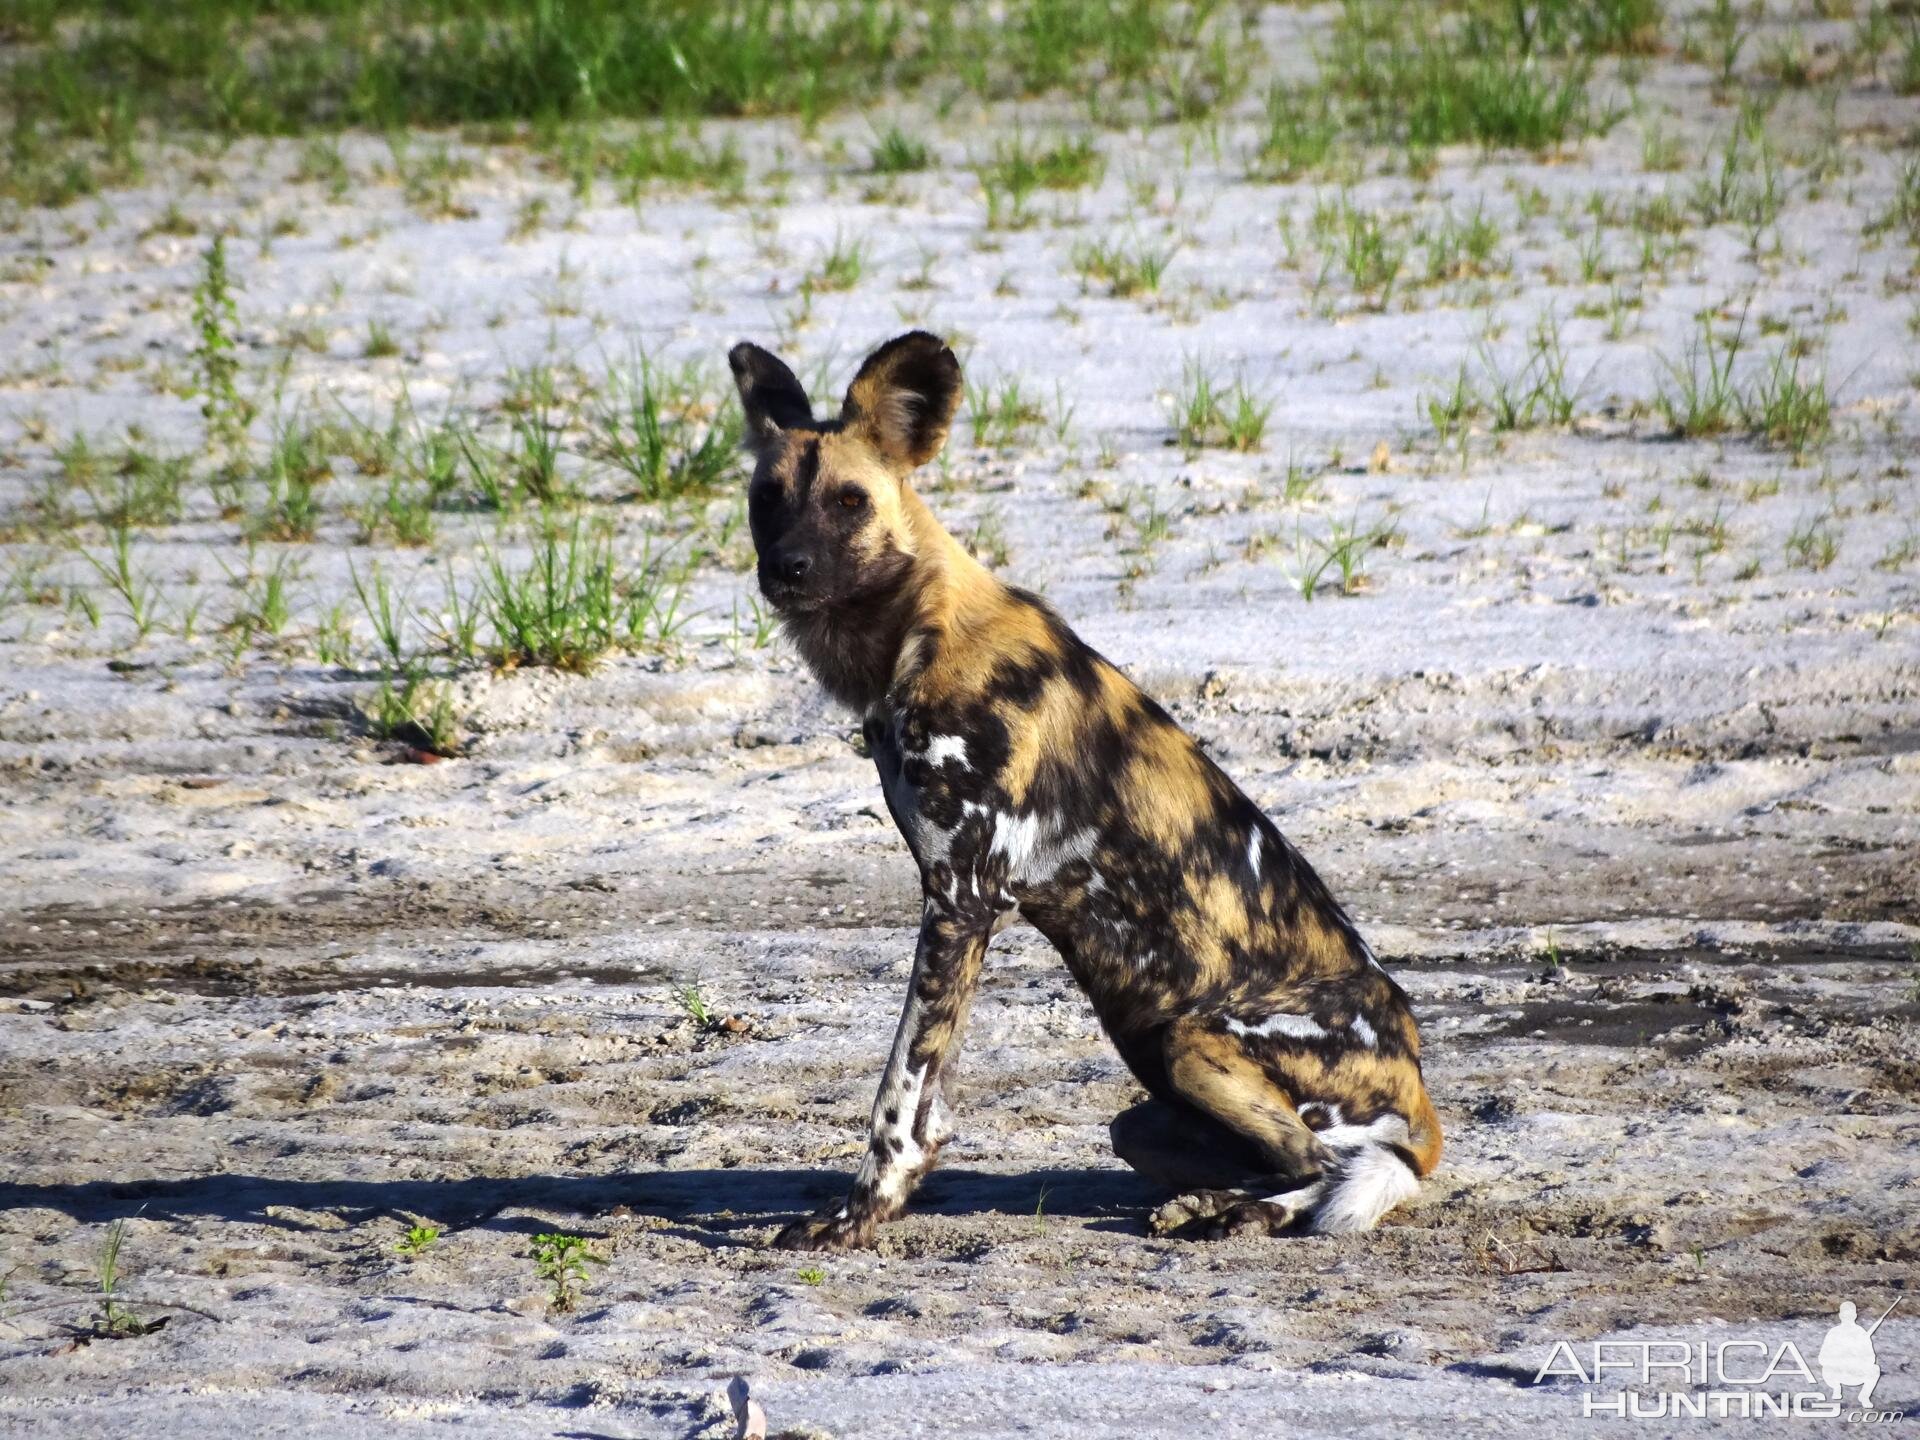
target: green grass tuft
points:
(569, 605)
(1124, 270)
(898, 153)
(661, 431)
(416, 711)
(1003, 414)
(239, 66)
(1206, 412)
(1483, 73)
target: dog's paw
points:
(1184, 1214)
(1250, 1217)
(1221, 1215)
(834, 1230)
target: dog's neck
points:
(857, 650)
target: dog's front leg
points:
(909, 1116)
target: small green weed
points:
(568, 607)
(1461, 246)
(1366, 245)
(1302, 131)
(898, 153)
(132, 486)
(385, 611)
(1814, 543)
(296, 466)
(215, 318)
(1343, 550)
(139, 593)
(560, 610)
(1003, 413)
(1699, 396)
(1067, 164)
(840, 268)
(1781, 405)
(1016, 171)
(113, 1319)
(1537, 393)
(1124, 270)
(562, 1261)
(695, 1007)
(659, 430)
(417, 1240)
(1206, 413)
(1431, 76)
(268, 605)
(1787, 409)
(380, 344)
(416, 711)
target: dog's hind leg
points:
(1180, 1148)
(1374, 1132)
(1231, 1142)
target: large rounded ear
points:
(903, 399)
(769, 393)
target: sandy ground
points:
(1633, 817)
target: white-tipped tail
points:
(1370, 1174)
(1369, 1182)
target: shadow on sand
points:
(712, 1201)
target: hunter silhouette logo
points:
(1846, 1355)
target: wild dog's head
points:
(827, 504)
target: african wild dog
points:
(1028, 774)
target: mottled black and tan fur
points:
(1030, 777)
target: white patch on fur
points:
(1253, 853)
(1294, 1027)
(939, 1119)
(942, 748)
(1366, 1179)
(1055, 852)
(1366, 1032)
(891, 415)
(1014, 838)
(1298, 1201)
(910, 1091)
(1387, 1130)
(1372, 959)
(886, 1172)
(899, 1092)
(1036, 849)
(1366, 1183)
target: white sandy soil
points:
(1632, 811)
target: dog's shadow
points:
(708, 1205)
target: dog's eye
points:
(852, 499)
